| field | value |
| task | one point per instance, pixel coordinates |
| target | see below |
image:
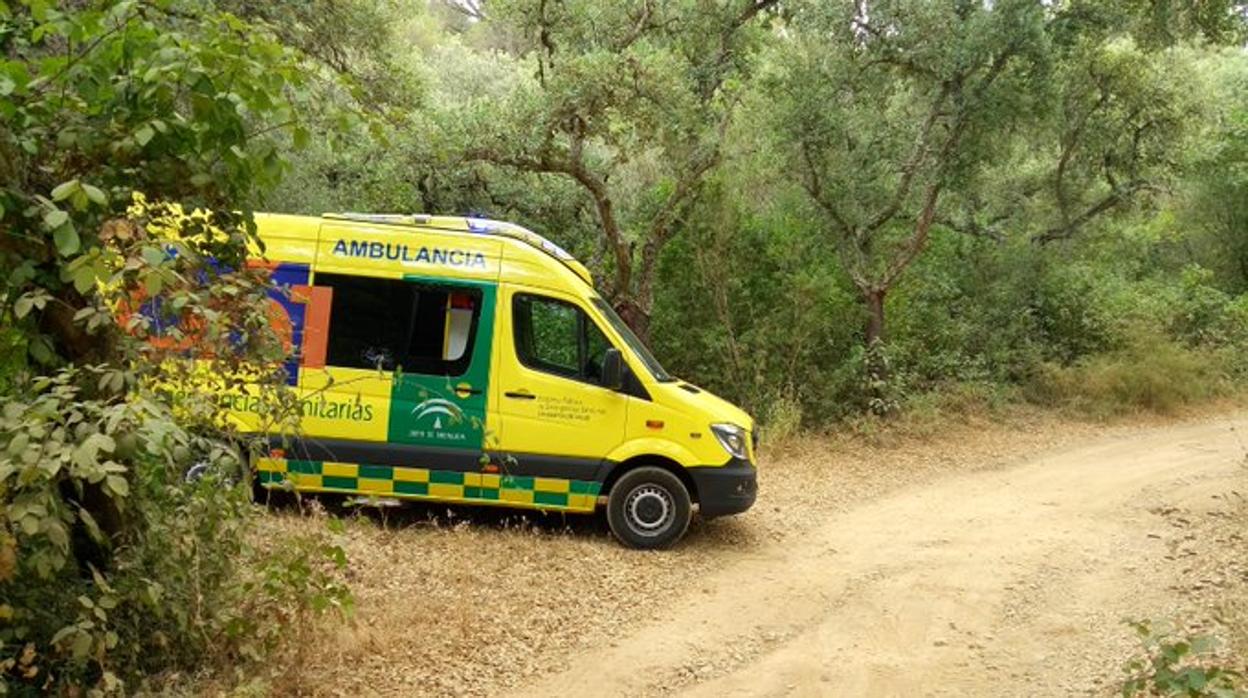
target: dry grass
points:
(471, 602)
(1151, 374)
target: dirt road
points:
(999, 582)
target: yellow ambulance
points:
(471, 361)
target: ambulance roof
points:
(473, 226)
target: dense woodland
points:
(823, 209)
(820, 210)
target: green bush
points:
(114, 568)
(781, 421)
(12, 357)
(1151, 373)
(1170, 664)
(960, 400)
(744, 312)
(1080, 310)
(1200, 313)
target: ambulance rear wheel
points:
(649, 508)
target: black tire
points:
(649, 508)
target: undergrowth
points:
(1151, 374)
(1171, 664)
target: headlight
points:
(732, 438)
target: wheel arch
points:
(656, 461)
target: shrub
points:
(12, 356)
(1080, 310)
(113, 567)
(1200, 310)
(960, 400)
(1232, 324)
(1172, 665)
(781, 421)
(1151, 373)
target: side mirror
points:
(613, 369)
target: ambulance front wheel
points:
(649, 508)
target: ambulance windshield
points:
(633, 341)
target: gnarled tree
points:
(882, 107)
(629, 100)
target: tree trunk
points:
(875, 363)
(874, 300)
(635, 316)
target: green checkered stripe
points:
(420, 483)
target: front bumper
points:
(727, 489)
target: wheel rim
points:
(197, 471)
(649, 510)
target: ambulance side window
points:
(557, 337)
(389, 324)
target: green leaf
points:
(82, 646)
(154, 284)
(65, 189)
(63, 633)
(88, 451)
(95, 194)
(154, 256)
(18, 444)
(84, 278)
(56, 533)
(55, 218)
(22, 307)
(117, 485)
(79, 200)
(40, 349)
(66, 239)
(144, 135)
(93, 528)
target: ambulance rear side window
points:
(389, 324)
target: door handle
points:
(520, 395)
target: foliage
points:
(632, 93)
(112, 568)
(783, 418)
(1172, 665)
(117, 97)
(1081, 161)
(1214, 204)
(1148, 374)
(878, 122)
(353, 40)
(818, 210)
